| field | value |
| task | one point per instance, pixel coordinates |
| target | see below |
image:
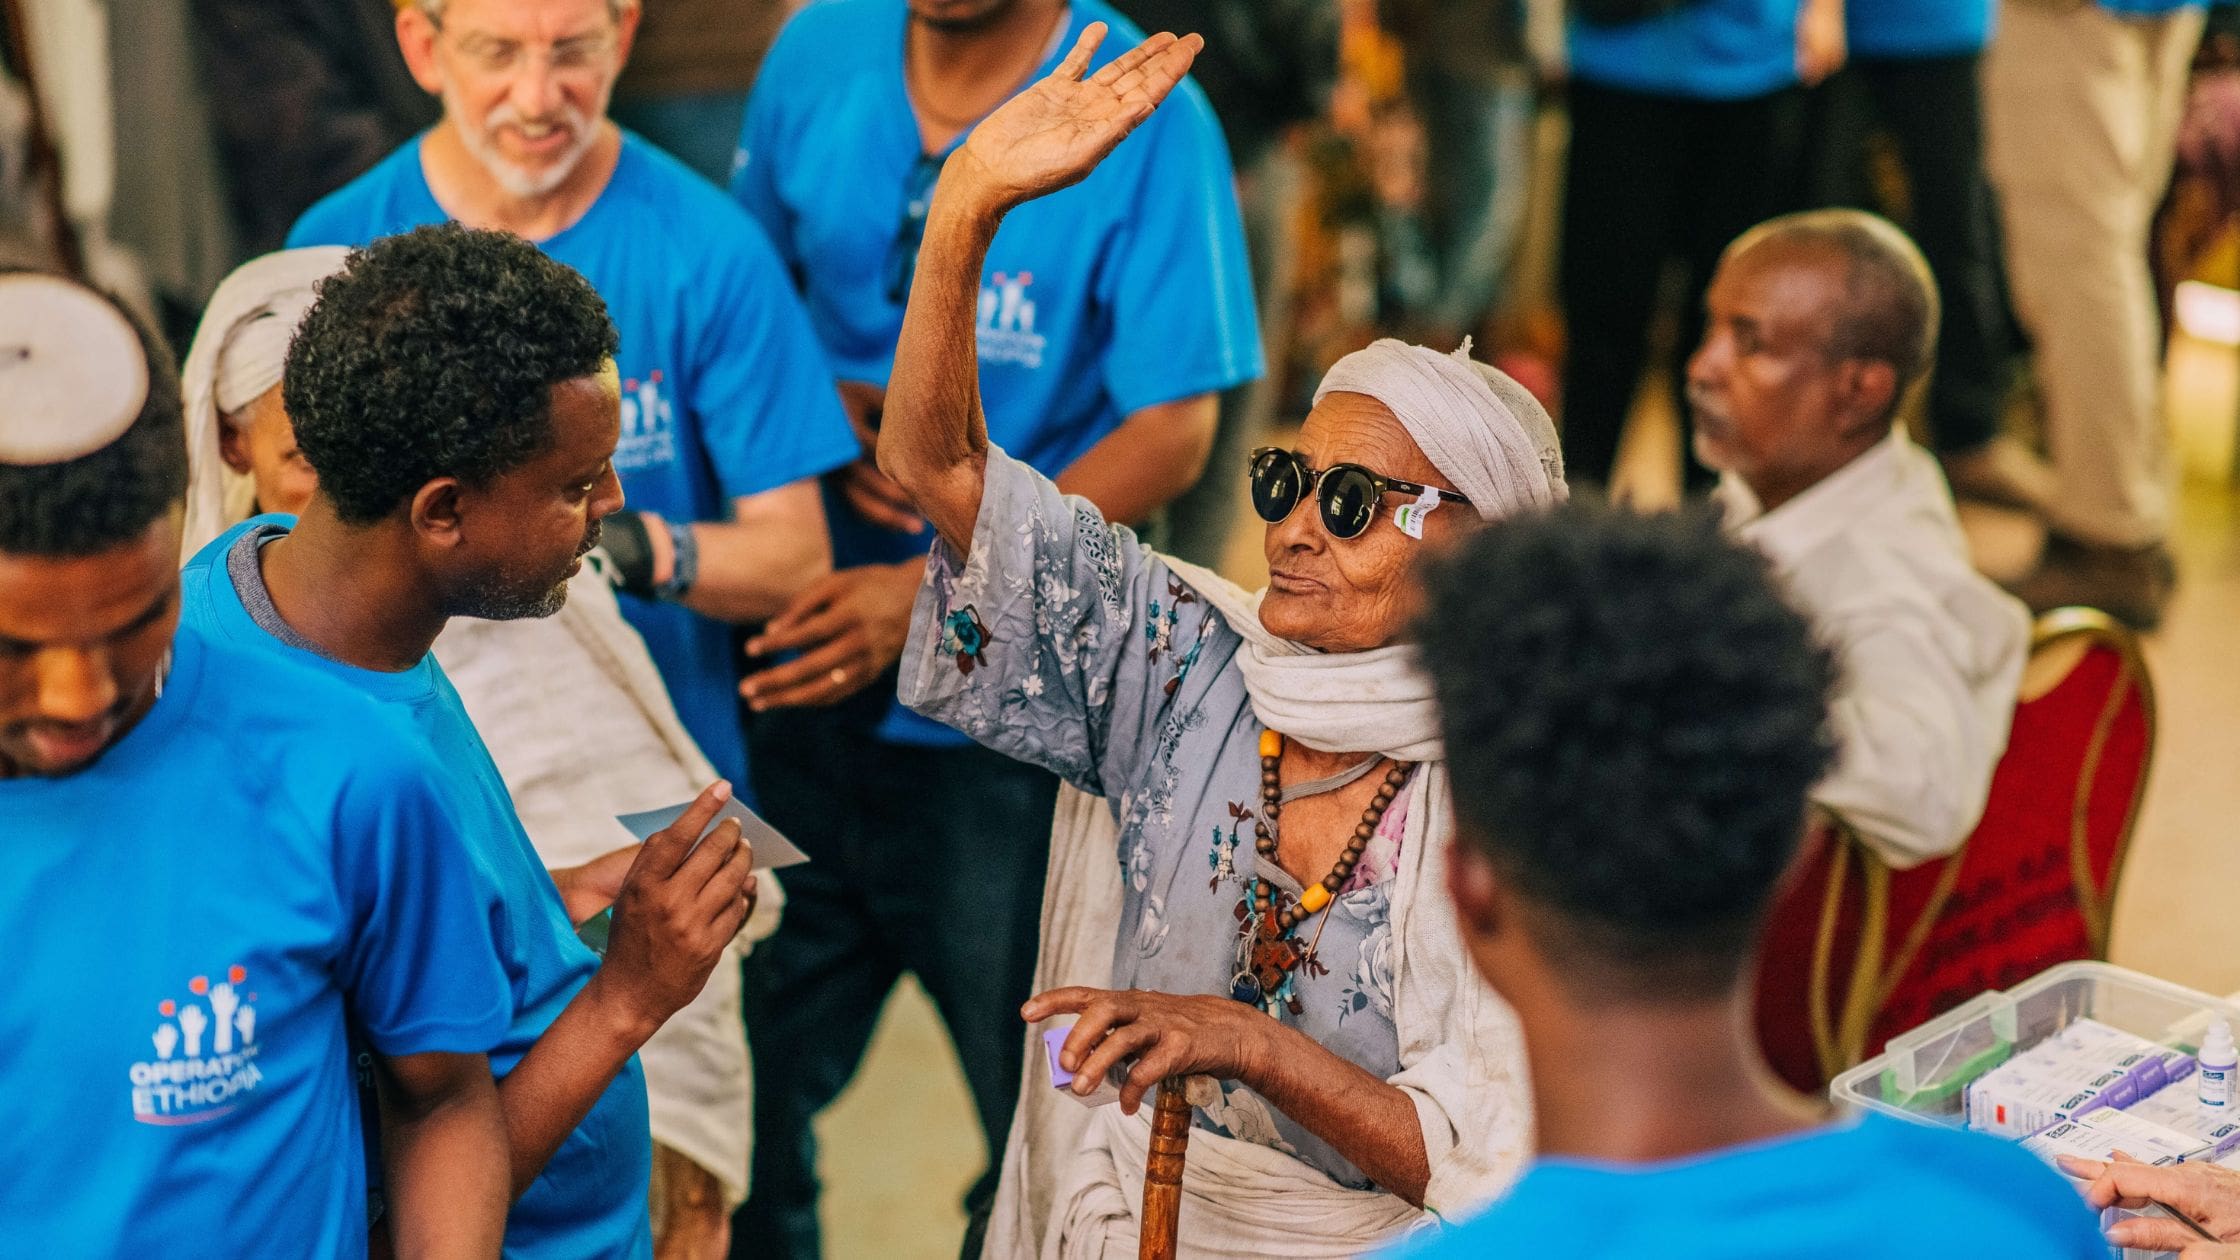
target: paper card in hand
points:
(771, 851)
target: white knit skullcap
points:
(73, 374)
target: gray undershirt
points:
(247, 571)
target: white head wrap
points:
(73, 373)
(1482, 431)
(238, 354)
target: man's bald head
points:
(1889, 311)
(1816, 326)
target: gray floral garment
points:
(1077, 648)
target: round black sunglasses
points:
(1348, 494)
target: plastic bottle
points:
(2219, 1062)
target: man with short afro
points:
(428, 356)
(455, 393)
(1632, 718)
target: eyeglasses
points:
(577, 57)
(917, 199)
(1348, 494)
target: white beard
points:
(525, 183)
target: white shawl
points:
(1460, 1050)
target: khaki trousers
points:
(2081, 111)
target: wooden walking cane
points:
(1162, 1172)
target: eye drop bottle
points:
(2219, 1061)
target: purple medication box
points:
(1053, 1042)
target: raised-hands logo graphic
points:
(223, 1003)
(181, 1086)
(191, 1022)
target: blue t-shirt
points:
(198, 916)
(1916, 28)
(1709, 50)
(590, 1201)
(1881, 1189)
(1125, 291)
(2150, 8)
(725, 392)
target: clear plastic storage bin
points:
(1923, 1075)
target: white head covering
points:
(238, 354)
(1480, 429)
(73, 373)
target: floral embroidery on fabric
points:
(1151, 927)
(965, 638)
(1098, 545)
(1370, 988)
(1380, 861)
(1245, 1116)
(1190, 658)
(1223, 856)
(1158, 628)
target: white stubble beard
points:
(520, 182)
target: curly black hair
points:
(433, 354)
(85, 506)
(1633, 716)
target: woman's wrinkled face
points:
(262, 443)
(1353, 594)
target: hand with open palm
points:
(1054, 133)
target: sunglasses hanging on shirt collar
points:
(1347, 494)
(910, 232)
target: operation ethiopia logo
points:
(649, 425)
(183, 1085)
(1006, 333)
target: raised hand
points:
(223, 1002)
(191, 1022)
(1054, 133)
(167, 1040)
(245, 1019)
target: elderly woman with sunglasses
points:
(1257, 897)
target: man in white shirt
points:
(1819, 324)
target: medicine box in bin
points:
(1923, 1075)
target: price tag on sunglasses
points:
(1410, 516)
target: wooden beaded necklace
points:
(1274, 953)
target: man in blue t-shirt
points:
(455, 392)
(728, 411)
(1632, 718)
(1684, 132)
(1913, 73)
(2081, 104)
(223, 874)
(1111, 316)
